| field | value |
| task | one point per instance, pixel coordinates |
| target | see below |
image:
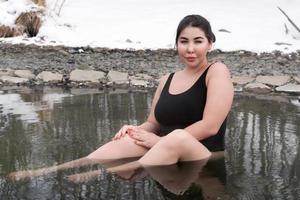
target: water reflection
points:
(192, 179)
(263, 149)
(42, 127)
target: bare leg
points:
(178, 145)
(43, 171)
(117, 149)
(84, 177)
(212, 186)
(125, 171)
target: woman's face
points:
(192, 47)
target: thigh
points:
(118, 149)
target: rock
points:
(289, 88)
(6, 72)
(297, 78)
(258, 88)
(238, 88)
(142, 77)
(117, 77)
(11, 79)
(87, 75)
(139, 83)
(242, 80)
(24, 74)
(273, 80)
(47, 76)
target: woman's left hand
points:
(144, 138)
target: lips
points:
(190, 59)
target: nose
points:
(190, 47)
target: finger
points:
(115, 137)
(118, 135)
(136, 136)
(127, 128)
(123, 131)
(141, 143)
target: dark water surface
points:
(42, 127)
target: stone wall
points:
(101, 67)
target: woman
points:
(188, 114)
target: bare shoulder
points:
(163, 80)
(217, 69)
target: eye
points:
(198, 41)
(183, 41)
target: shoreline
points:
(121, 68)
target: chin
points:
(192, 65)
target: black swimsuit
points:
(177, 111)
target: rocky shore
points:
(101, 67)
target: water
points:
(42, 127)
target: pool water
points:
(40, 127)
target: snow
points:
(254, 25)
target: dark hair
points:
(196, 21)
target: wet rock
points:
(257, 88)
(86, 75)
(117, 77)
(289, 88)
(24, 74)
(242, 80)
(238, 88)
(47, 76)
(12, 79)
(273, 80)
(139, 83)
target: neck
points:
(194, 70)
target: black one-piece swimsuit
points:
(178, 111)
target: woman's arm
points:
(218, 102)
(151, 124)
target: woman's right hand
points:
(124, 131)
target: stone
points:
(117, 77)
(24, 74)
(12, 79)
(78, 75)
(47, 76)
(139, 83)
(289, 88)
(257, 88)
(297, 78)
(238, 88)
(273, 80)
(242, 80)
(142, 77)
(6, 72)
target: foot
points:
(19, 175)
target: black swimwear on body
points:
(178, 111)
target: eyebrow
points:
(196, 38)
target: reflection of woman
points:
(189, 106)
(189, 180)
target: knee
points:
(178, 137)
